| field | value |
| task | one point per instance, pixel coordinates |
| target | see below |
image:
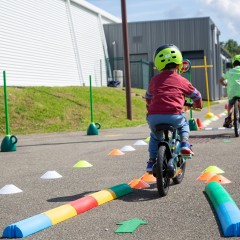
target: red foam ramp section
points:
(84, 204)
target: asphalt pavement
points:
(185, 213)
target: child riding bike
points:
(229, 79)
(165, 99)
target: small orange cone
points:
(199, 123)
(147, 177)
(206, 176)
(116, 152)
(218, 178)
(138, 184)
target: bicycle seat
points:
(163, 127)
(236, 98)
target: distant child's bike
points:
(170, 164)
(236, 116)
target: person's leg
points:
(153, 120)
(228, 120)
(184, 135)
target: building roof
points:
(97, 10)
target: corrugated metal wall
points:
(37, 46)
(35, 43)
(190, 35)
(90, 46)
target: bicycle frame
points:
(170, 163)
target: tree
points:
(231, 46)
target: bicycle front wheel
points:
(182, 166)
(161, 166)
(236, 119)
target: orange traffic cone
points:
(218, 178)
(147, 177)
(116, 152)
(199, 123)
(138, 184)
(206, 176)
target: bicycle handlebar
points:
(190, 105)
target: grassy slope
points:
(58, 109)
(61, 109)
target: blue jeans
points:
(177, 120)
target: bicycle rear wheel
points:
(162, 180)
(236, 119)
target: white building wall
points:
(89, 45)
(37, 43)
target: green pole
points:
(92, 128)
(6, 103)
(9, 141)
(91, 101)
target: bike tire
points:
(163, 181)
(236, 119)
(178, 179)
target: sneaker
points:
(186, 148)
(150, 164)
(228, 122)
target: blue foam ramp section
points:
(27, 226)
(229, 217)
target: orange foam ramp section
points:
(205, 176)
(103, 196)
(61, 213)
(138, 184)
(218, 178)
(148, 178)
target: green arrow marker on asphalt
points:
(129, 226)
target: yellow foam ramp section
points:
(104, 196)
(61, 213)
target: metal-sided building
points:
(53, 42)
(195, 37)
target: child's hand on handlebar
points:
(194, 105)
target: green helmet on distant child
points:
(236, 60)
(166, 54)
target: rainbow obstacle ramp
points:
(54, 216)
(227, 211)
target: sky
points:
(224, 13)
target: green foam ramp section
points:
(121, 189)
(27, 226)
(217, 194)
(227, 211)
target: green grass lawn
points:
(65, 109)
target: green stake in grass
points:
(93, 127)
(187, 68)
(9, 141)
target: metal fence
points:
(141, 71)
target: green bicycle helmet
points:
(165, 54)
(236, 58)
